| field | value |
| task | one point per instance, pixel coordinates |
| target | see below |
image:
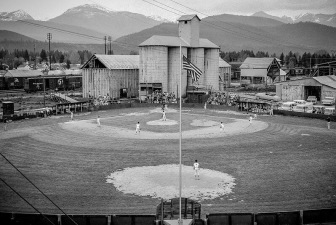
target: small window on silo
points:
(185, 22)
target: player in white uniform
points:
(71, 115)
(164, 115)
(98, 121)
(250, 119)
(221, 126)
(137, 129)
(196, 168)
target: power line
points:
(225, 29)
(26, 201)
(37, 188)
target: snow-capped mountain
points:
(325, 19)
(15, 16)
(98, 18)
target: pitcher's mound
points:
(162, 182)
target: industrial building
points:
(321, 87)
(116, 76)
(160, 68)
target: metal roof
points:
(222, 63)
(171, 41)
(23, 73)
(188, 17)
(119, 61)
(256, 63)
(327, 80)
(157, 40)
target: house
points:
(300, 89)
(113, 75)
(261, 70)
(160, 60)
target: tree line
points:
(18, 57)
(290, 60)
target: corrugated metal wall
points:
(106, 81)
(153, 66)
(197, 58)
(174, 66)
(211, 68)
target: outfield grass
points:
(288, 166)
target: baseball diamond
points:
(275, 163)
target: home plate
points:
(305, 134)
(176, 222)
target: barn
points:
(159, 67)
(321, 87)
(114, 75)
(261, 70)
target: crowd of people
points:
(223, 98)
(161, 97)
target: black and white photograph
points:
(168, 112)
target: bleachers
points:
(304, 217)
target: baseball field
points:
(275, 163)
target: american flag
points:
(192, 69)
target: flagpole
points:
(180, 167)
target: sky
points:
(47, 9)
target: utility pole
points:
(49, 36)
(110, 40)
(34, 56)
(105, 44)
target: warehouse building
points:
(116, 76)
(159, 67)
(321, 87)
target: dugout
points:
(169, 210)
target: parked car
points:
(302, 102)
(268, 96)
(329, 111)
(312, 99)
(287, 106)
(318, 109)
(328, 101)
(307, 108)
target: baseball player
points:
(137, 129)
(98, 121)
(221, 126)
(196, 168)
(164, 115)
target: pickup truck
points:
(312, 99)
(328, 101)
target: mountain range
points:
(325, 19)
(88, 24)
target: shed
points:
(321, 87)
(113, 75)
